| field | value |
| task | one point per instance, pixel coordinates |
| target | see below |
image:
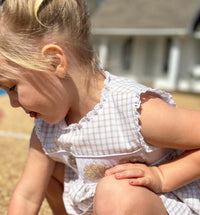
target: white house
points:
(155, 42)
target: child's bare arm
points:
(181, 171)
(30, 190)
(169, 127)
(164, 178)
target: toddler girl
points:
(101, 144)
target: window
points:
(127, 51)
(168, 44)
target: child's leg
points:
(117, 197)
(55, 190)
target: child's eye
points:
(12, 88)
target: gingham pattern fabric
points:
(109, 135)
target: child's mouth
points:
(33, 114)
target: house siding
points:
(164, 52)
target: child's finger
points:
(131, 173)
(143, 181)
(117, 169)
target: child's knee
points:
(115, 197)
(103, 200)
(111, 197)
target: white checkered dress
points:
(109, 135)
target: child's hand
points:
(138, 175)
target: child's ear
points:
(57, 58)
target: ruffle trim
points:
(91, 114)
(38, 124)
(137, 101)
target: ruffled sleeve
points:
(137, 102)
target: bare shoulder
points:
(164, 125)
(153, 106)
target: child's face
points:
(41, 95)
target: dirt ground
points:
(15, 129)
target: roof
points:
(146, 15)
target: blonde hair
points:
(26, 25)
